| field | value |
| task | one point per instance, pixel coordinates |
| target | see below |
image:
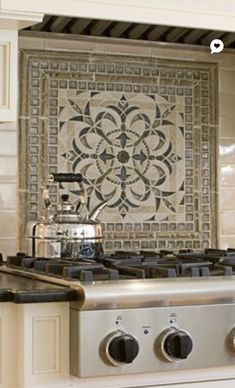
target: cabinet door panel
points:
(8, 75)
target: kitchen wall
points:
(128, 234)
(140, 129)
(227, 153)
(8, 189)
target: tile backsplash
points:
(141, 129)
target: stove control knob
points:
(121, 348)
(176, 345)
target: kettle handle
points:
(69, 177)
(65, 177)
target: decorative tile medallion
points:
(130, 149)
(140, 130)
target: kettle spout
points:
(96, 211)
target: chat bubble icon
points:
(216, 46)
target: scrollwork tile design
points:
(130, 149)
(140, 130)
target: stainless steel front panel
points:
(208, 325)
(126, 294)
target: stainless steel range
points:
(167, 314)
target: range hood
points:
(129, 30)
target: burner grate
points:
(132, 265)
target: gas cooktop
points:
(122, 265)
(144, 312)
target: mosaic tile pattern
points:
(141, 131)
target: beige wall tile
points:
(68, 45)
(7, 224)
(8, 168)
(7, 196)
(226, 60)
(227, 175)
(226, 104)
(27, 42)
(8, 143)
(227, 126)
(8, 246)
(227, 199)
(228, 223)
(227, 242)
(8, 126)
(227, 150)
(227, 81)
(127, 49)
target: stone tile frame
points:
(168, 76)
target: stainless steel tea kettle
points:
(65, 233)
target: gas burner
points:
(131, 265)
(82, 270)
(162, 264)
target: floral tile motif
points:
(140, 130)
(130, 150)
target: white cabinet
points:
(8, 75)
(7, 345)
(34, 345)
(42, 345)
(11, 20)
